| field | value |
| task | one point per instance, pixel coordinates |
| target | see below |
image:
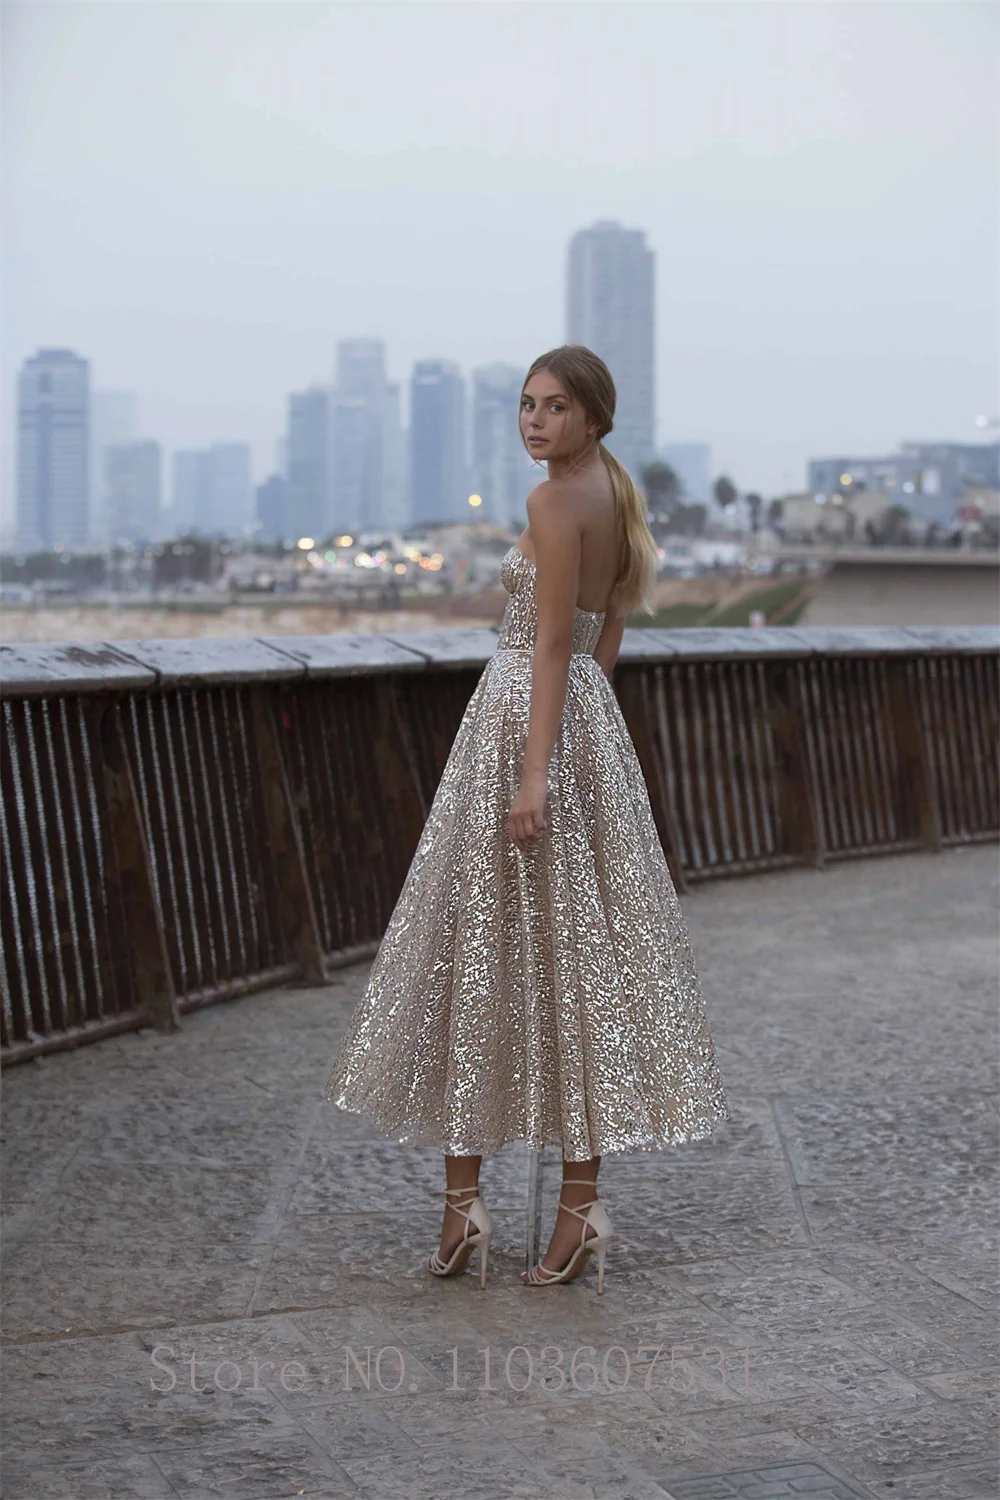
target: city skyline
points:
(345, 463)
(292, 176)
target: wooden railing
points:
(183, 821)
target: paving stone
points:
(774, 1483)
(99, 1203)
(135, 1476)
(934, 1483)
(282, 1464)
(601, 1477)
(464, 1473)
(797, 1414)
(899, 1443)
(963, 1385)
(900, 1342)
(764, 1447)
(50, 1290)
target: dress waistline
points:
(588, 654)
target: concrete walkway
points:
(802, 1305)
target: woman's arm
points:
(556, 539)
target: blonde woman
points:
(536, 982)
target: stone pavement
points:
(803, 1305)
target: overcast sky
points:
(202, 198)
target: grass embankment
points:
(780, 604)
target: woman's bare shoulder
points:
(553, 497)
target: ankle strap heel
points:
(593, 1216)
(479, 1222)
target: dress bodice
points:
(518, 629)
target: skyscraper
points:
(212, 491)
(190, 498)
(272, 497)
(53, 450)
(358, 438)
(132, 486)
(230, 489)
(610, 308)
(114, 419)
(308, 459)
(438, 475)
(503, 473)
(395, 498)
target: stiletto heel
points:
(596, 1218)
(474, 1214)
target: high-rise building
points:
(272, 502)
(308, 459)
(190, 491)
(438, 473)
(692, 463)
(53, 450)
(395, 498)
(230, 489)
(610, 307)
(357, 440)
(114, 420)
(503, 472)
(132, 486)
(212, 491)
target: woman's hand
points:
(526, 818)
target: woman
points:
(536, 981)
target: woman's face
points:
(553, 425)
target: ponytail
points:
(636, 577)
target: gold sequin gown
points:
(547, 995)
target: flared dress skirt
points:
(546, 995)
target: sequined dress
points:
(548, 995)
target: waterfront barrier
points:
(183, 821)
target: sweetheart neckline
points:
(593, 612)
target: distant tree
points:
(687, 520)
(663, 487)
(696, 517)
(775, 514)
(724, 491)
(187, 557)
(754, 504)
(896, 525)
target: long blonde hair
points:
(588, 380)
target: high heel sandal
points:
(595, 1217)
(479, 1240)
